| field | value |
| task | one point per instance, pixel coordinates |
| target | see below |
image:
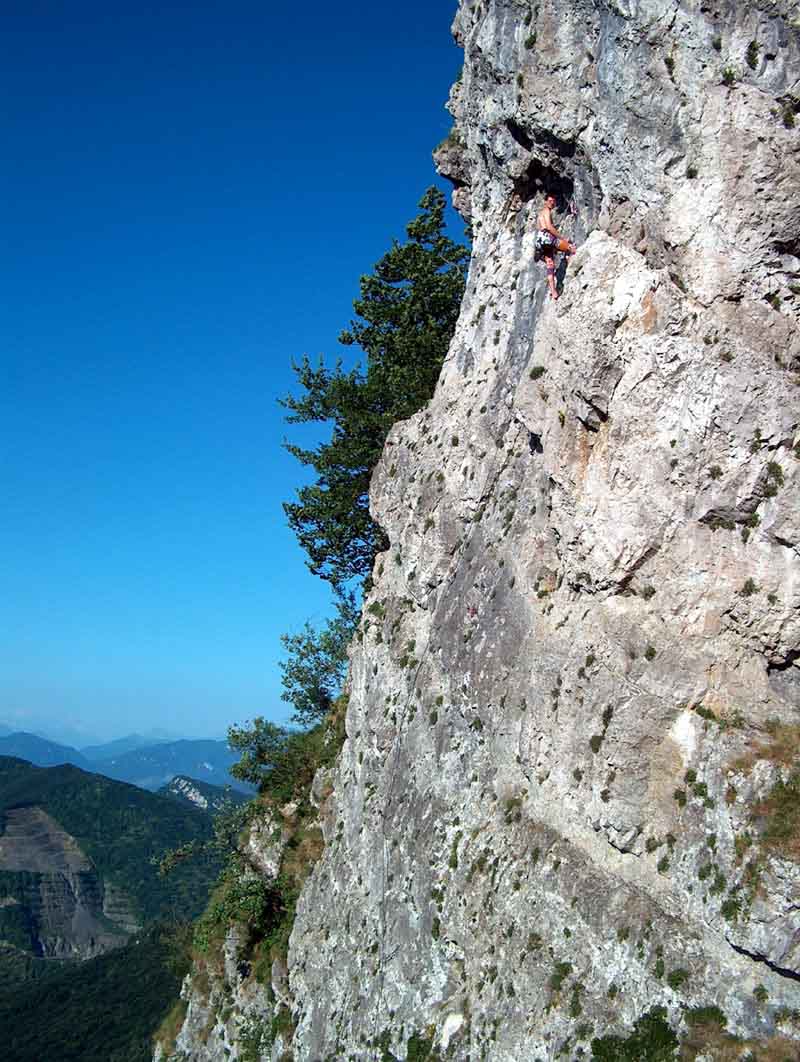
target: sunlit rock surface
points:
(548, 816)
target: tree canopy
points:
(405, 317)
(281, 762)
(316, 662)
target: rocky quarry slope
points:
(53, 902)
(568, 791)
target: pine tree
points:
(405, 318)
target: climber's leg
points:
(550, 262)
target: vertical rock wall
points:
(576, 679)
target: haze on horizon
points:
(190, 206)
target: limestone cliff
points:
(567, 791)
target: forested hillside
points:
(104, 1010)
(79, 872)
(121, 829)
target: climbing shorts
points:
(545, 241)
(545, 244)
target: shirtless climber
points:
(548, 241)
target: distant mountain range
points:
(120, 746)
(149, 767)
(154, 766)
(40, 751)
(63, 732)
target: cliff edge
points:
(567, 806)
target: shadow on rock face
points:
(785, 679)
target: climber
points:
(549, 240)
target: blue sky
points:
(190, 193)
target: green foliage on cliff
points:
(781, 811)
(316, 663)
(241, 899)
(652, 1040)
(282, 763)
(405, 317)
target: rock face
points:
(211, 798)
(227, 1010)
(575, 691)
